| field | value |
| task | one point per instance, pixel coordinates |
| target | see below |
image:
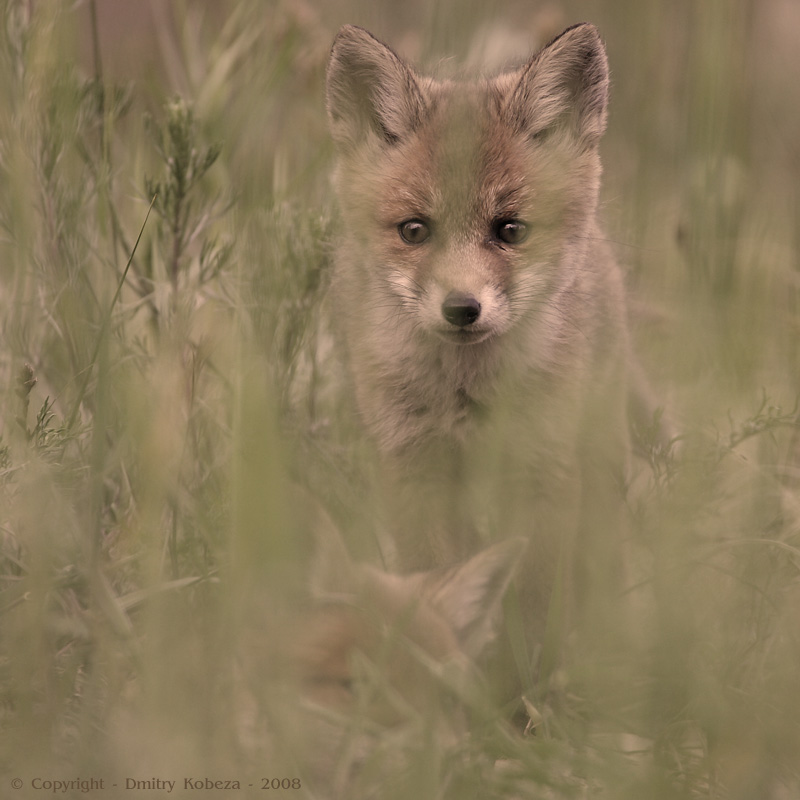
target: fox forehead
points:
(461, 162)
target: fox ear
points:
(370, 89)
(470, 596)
(564, 84)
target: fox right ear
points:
(370, 90)
(470, 596)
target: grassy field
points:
(165, 228)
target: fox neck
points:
(427, 391)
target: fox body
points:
(482, 313)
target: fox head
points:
(377, 666)
(399, 632)
(464, 202)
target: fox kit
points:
(482, 313)
(378, 660)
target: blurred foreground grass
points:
(161, 396)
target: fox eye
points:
(414, 231)
(510, 231)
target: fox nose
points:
(460, 309)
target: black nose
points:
(460, 309)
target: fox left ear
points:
(564, 84)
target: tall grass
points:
(167, 385)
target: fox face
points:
(467, 212)
(474, 187)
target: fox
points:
(373, 661)
(447, 614)
(482, 312)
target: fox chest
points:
(503, 410)
(455, 411)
